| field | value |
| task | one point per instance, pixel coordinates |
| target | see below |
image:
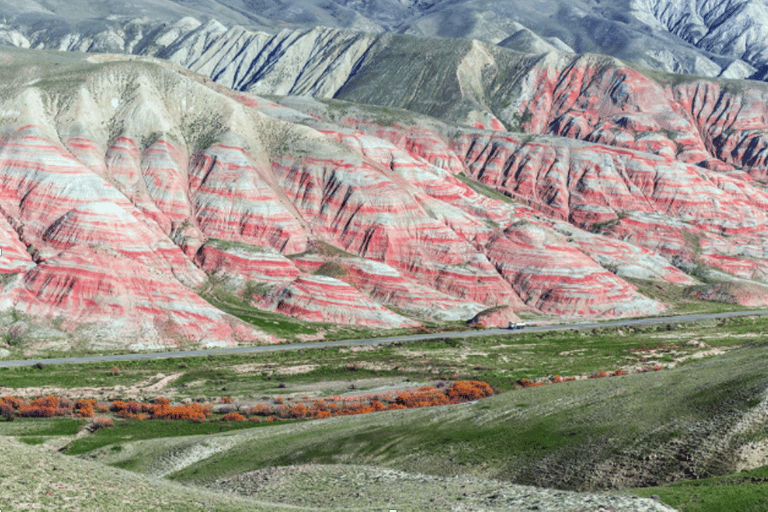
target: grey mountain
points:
(704, 37)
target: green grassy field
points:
(744, 492)
(500, 360)
(595, 434)
(669, 433)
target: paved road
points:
(381, 341)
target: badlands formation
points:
(370, 180)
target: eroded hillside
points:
(131, 187)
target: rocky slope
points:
(701, 37)
(129, 187)
(331, 212)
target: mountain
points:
(699, 37)
(132, 187)
(349, 178)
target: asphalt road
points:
(380, 341)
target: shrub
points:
(82, 404)
(36, 411)
(299, 411)
(51, 402)
(467, 390)
(7, 411)
(233, 416)
(262, 410)
(194, 412)
(14, 402)
(85, 412)
(101, 423)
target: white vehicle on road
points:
(517, 325)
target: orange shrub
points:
(299, 411)
(36, 411)
(51, 402)
(131, 416)
(233, 416)
(85, 412)
(262, 410)
(195, 412)
(226, 400)
(467, 390)
(378, 406)
(117, 406)
(14, 402)
(80, 404)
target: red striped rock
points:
(558, 279)
(746, 293)
(249, 263)
(326, 299)
(144, 308)
(234, 201)
(387, 286)
(500, 316)
(105, 224)
(367, 212)
(147, 168)
(14, 257)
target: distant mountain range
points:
(702, 37)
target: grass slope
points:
(637, 430)
(745, 491)
(37, 478)
(498, 360)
